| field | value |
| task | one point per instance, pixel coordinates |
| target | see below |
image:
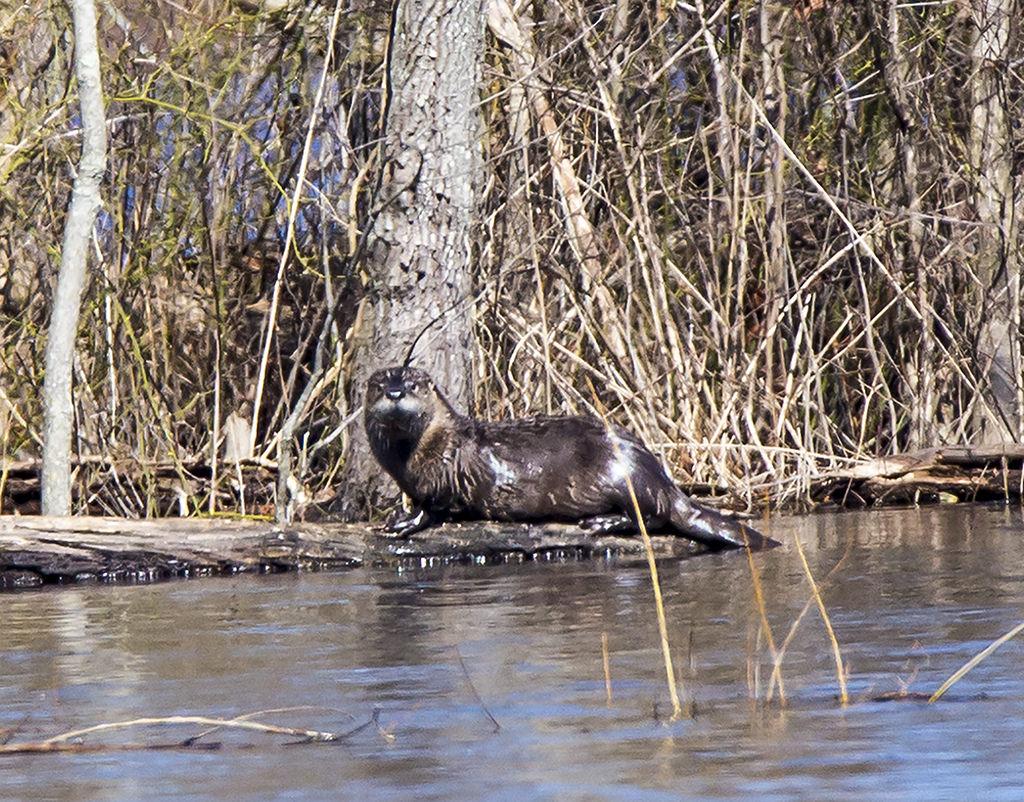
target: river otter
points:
(544, 468)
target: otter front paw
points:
(404, 525)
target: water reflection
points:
(916, 594)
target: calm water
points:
(918, 593)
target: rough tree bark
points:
(996, 262)
(418, 263)
(85, 202)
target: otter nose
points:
(394, 393)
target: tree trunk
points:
(418, 264)
(776, 107)
(85, 202)
(998, 419)
(902, 80)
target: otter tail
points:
(715, 530)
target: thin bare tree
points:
(996, 255)
(85, 202)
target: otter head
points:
(400, 403)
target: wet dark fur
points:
(533, 469)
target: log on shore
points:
(127, 486)
(944, 474)
(37, 550)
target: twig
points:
(607, 668)
(43, 747)
(293, 211)
(64, 741)
(268, 712)
(473, 690)
(255, 726)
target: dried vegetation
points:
(778, 238)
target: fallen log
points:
(105, 485)
(944, 474)
(37, 550)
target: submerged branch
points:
(69, 741)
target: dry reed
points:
(766, 627)
(693, 209)
(844, 698)
(652, 568)
(957, 675)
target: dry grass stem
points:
(755, 578)
(659, 606)
(973, 662)
(652, 567)
(844, 698)
(606, 665)
(776, 675)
